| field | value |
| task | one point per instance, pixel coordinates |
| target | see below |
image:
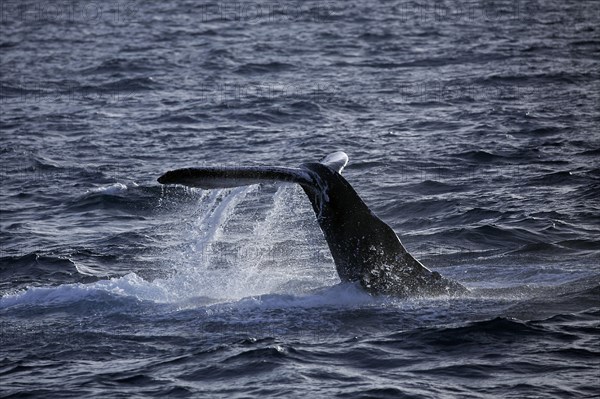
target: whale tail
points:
(364, 248)
(226, 177)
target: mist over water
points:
(472, 130)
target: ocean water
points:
(472, 129)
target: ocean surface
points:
(473, 130)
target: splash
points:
(111, 189)
(240, 247)
(237, 243)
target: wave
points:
(129, 286)
(581, 244)
(589, 191)
(539, 247)
(579, 295)
(182, 292)
(432, 187)
(538, 78)
(377, 36)
(562, 177)
(499, 329)
(490, 235)
(479, 156)
(179, 118)
(34, 265)
(17, 272)
(111, 197)
(176, 291)
(132, 198)
(593, 152)
(123, 86)
(260, 68)
(117, 65)
(110, 189)
(10, 91)
(476, 215)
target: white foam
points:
(175, 291)
(114, 188)
(130, 285)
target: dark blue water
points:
(472, 129)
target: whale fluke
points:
(364, 248)
(226, 177)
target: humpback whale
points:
(364, 248)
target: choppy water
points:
(471, 129)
